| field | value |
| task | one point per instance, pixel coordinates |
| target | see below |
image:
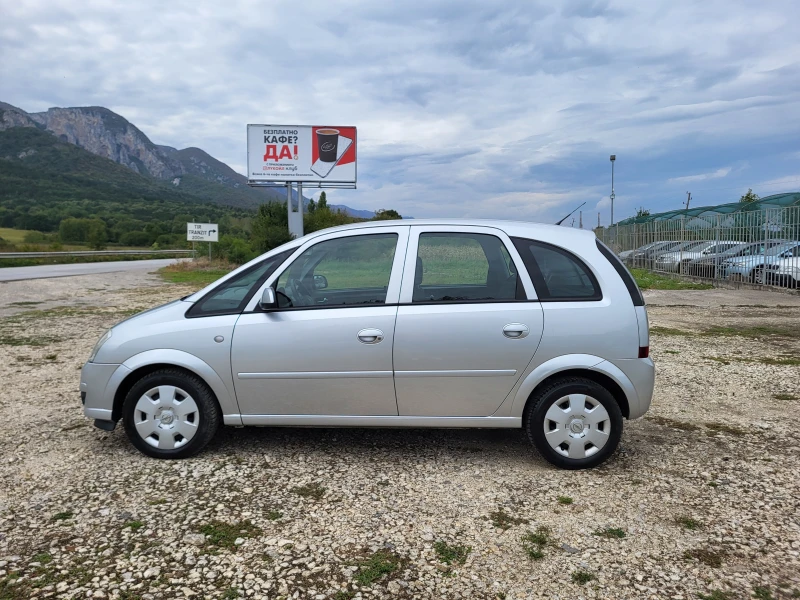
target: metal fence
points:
(755, 246)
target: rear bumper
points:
(98, 403)
(641, 373)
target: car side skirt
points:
(373, 421)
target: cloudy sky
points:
(463, 109)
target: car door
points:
(468, 323)
(327, 348)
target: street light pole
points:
(613, 158)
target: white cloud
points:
(718, 174)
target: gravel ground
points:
(701, 501)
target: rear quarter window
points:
(557, 274)
(622, 271)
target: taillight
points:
(644, 351)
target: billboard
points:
(302, 153)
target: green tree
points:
(386, 214)
(312, 206)
(642, 212)
(323, 201)
(270, 227)
(97, 234)
(749, 197)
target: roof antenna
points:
(570, 214)
(688, 199)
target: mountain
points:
(109, 135)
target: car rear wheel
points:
(170, 413)
(574, 422)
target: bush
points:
(135, 238)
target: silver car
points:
(435, 323)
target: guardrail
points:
(89, 253)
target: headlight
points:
(99, 344)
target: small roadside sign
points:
(202, 232)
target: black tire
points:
(543, 399)
(207, 409)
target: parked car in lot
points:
(708, 266)
(643, 257)
(676, 260)
(785, 271)
(391, 324)
(751, 268)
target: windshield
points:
(781, 248)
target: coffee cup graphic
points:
(327, 144)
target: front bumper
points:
(97, 399)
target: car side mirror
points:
(320, 282)
(268, 299)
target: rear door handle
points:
(370, 336)
(516, 331)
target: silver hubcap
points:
(577, 426)
(166, 417)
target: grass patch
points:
(51, 356)
(671, 352)
(706, 556)
(715, 595)
(134, 525)
(658, 330)
(197, 273)
(26, 340)
(785, 397)
(582, 577)
(62, 516)
(688, 522)
(763, 593)
(42, 557)
(25, 303)
(312, 490)
(503, 520)
(674, 423)
(230, 594)
(375, 566)
(534, 542)
(723, 428)
(647, 280)
(611, 533)
(274, 515)
(223, 535)
(452, 554)
(156, 502)
(565, 500)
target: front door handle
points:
(370, 336)
(516, 331)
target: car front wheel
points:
(574, 422)
(170, 413)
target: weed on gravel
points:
(452, 554)
(375, 566)
(582, 577)
(224, 535)
(723, 428)
(715, 595)
(688, 522)
(534, 542)
(674, 423)
(502, 520)
(706, 556)
(611, 533)
(62, 516)
(312, 490)
(785, 397)
(763, 593)
(565, 500)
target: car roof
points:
(508, 226)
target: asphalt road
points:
(68, 270)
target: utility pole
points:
(688, 199)
(613, 158)
(580, 217)
(598, 220)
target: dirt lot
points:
(701, 501)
